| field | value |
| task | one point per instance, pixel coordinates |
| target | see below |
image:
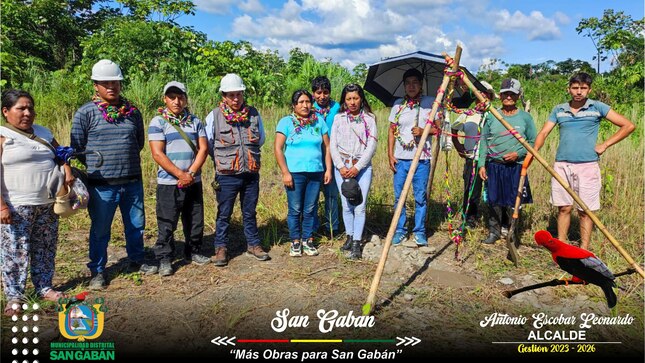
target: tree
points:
(165, 10)
(615, 33)
(519, 71)
(619, 35)
(142, 47)
(296, 59)
(491, 71)
(359, 73)
(46, 34)
(569, 67)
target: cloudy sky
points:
(365, 31)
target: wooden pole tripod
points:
(371, 298)
(562, 182)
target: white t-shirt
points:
(470, 126)
(26, 166)
(407, 119)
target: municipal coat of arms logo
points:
(81, 320)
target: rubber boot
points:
(356, 253)
(348, 244)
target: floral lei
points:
(410, 103)
(324, 111)
(234, 117)
(113, 114)
(357, 119)
(171, 118)
(301, 123)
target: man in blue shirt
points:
(576, 160)
(327, 109)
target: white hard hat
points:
(106, 70)
(231, 82)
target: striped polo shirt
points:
(579, 132)
(176, 148)
(119, 144)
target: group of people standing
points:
(322, 145)
(498, 156)
(337, 156)
(232, 134)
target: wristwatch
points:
(191, 173)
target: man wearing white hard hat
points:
(111, 125)
(470, 125)
(178, 144)
(235, 135)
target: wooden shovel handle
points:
(520, 187)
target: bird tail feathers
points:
(610, 295)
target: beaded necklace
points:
(410, 103)
(301, 123)
(234, 117)
(114, 114)
(171, 118)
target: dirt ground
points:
(430, 296)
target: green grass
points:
(622, 167)
(622, 199)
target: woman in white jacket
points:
(353, 144)
(29, 226)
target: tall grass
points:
(58, 95)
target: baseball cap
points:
(175, 84)
(511, 85)
(352, 191)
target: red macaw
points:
(582, 264)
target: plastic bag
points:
(81, 195)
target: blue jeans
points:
(330, 192)
(354, 216)
(104, 199)
(248, 186)
(301, 200)
(419, 185)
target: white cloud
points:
(478, 49)
(333, 6)
(214, 6)
(365, 31)
(273, 27)
(492, 64)
(251, 6)
(535, 24)
(290, 9)
(419, 4)
(402, 45)
(485, 46)
(561, 18)
(351, 22)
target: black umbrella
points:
(385, 78)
